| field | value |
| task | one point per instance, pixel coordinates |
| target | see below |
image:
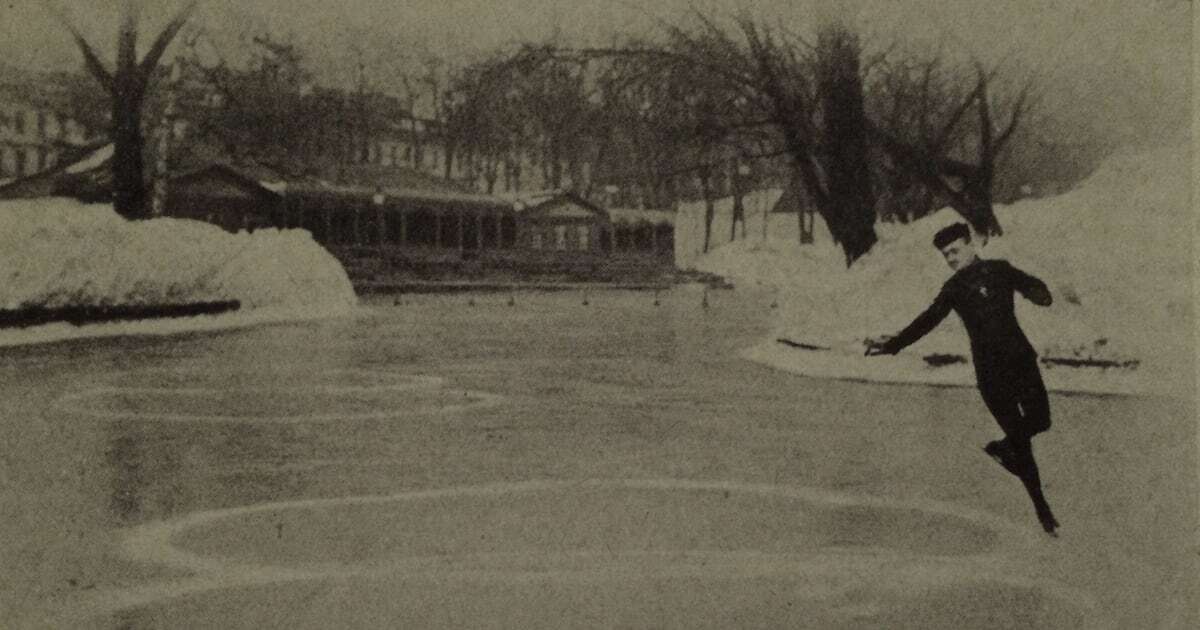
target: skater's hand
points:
(877, 345)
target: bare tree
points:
(926, 134)
(811, 101)
(761, 82)
(663, 124)
(528, 103)
(848, 193)
(127, 86)
(481, 125)
(554, 101)
(811, 97)
(260, 110)
(911, 98)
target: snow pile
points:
(1116, 253)
(58, 252)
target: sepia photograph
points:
(546, 314)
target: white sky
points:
(1127, 65)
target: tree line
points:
(868, 130)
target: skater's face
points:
(959, 253)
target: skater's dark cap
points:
(948, 235)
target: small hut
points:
(224, 196)
(563, 225)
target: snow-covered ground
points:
(781, 231)
(1116, 252)
(57, 252)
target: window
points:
(32, 161)
(8, 161)
(560, 237)
(584, 245)
(54, 122)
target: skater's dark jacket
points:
(1005, 363)
(982, 295)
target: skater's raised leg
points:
(1001, 452)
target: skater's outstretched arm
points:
(1029, 286)
(921, 326)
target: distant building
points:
(84, 173)
(224, 196)
(563, 224)
(647, 233)
(36, 131)
(413, 224)
(421, 145)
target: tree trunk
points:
(127, 86)
(709, 207)
(975, 205)
(850, 195)
(804, 223)
(129, 195)
(739, 214)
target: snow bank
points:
(57, 252)
(781, 231)
(1116, 252)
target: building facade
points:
(427, 230)
(35, 133)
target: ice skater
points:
(1006, 366)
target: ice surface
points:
(1116, 252)
(58, 252)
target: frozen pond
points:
(457, 461)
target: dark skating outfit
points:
(1006, 367)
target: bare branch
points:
(978, 94)
(985, 120)
(918, 160)
(159, 47)
(878, 59)
(923, 111)
(1020, 108)
(127, 42)
(745, 85)
(93, 63)
(795, 37)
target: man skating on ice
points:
(1006, 369)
